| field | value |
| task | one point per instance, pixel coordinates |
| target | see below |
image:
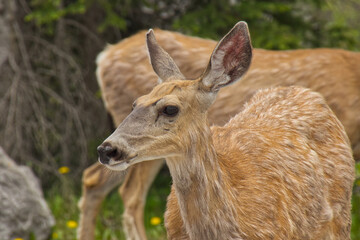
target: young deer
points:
(124, 74)
(280, 169)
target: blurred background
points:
(52, 116)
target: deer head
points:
(163, 122)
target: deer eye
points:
(170, 111)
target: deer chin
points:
(120, 165)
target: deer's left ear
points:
(230, 59)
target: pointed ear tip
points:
(241, 25)
(150, 33)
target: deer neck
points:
(202, 190)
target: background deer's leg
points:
(97, 183)
(133, 192)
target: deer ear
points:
(230, 59)
(163, 65)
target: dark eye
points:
(133, 105)
(170, 111)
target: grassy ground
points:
(63, 200)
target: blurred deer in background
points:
(280, 169)
(124, 74)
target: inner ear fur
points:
(230, 59)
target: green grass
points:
(355, 227)
(64, 208)
(108, 224)
(63, 199)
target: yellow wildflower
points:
(18, 239)
(155, 221)
(71, 224)
(64, 170)
(54, 235)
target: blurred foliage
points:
(275, 24)
(47, 12)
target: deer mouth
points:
(120, 164)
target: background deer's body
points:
(285, 172)
(124, 73)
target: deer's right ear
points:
(230, 59)
(163, 65)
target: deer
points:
(282, 168)
(124, 74)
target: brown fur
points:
(124, 73)
(285, 169)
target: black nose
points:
(106, 152)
